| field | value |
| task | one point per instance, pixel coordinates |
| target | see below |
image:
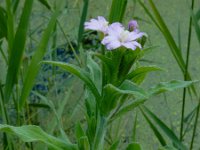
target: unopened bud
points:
(132, 25)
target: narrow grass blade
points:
(45, 3)
(196, 24)
(154, 129)
(34, 65)
(135, 128)
(83, 18)
(3, 23)
(33, 133)
(10, 26)
(18, 49)
(15, 5)
(198, 15)
(117, 10)
(165, 129)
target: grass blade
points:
(18, 49)
(165, 129)
(154, 129)
(82, 21)
(10, 25)
(117, 10)
(34, 66)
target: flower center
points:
(123, 36)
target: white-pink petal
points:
(99, 24)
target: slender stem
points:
(186, 73)
(7, 143)
(195, 126)
(69, 42)
(100, 134)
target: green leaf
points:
(95, 71)
(117, 10)
(82, 21)
(55, 120)
(111, 94)
(114, 146)
(155, 130)
(134, 146)
(83, 143)
(134, 128)
(165, 129)
(138, 74)
(80, 73)
(169, 86)
(17, 49)
(195, 19)
(45, 3)
(128, 58)
(3, 23)
(128, 87)
(10, 26)
(79, 131)
(198, 15)
(31, 133)
(34, 66)
(127, 108)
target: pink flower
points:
(117, 37)
(99, 24)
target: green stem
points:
(100, 134)
(195, 126)
(7, 142)
(186, 73)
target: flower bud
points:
(132, 25)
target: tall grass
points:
(176, 51)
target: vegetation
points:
(70, 82)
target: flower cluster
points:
(115, 35)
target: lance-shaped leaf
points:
(80, 73)
(45, 3)
(3, 23)
(155, 130)
(169, 86)
(17, 49)
(31, 133)
(34, 66)
(111, 94)
(127, 108)
(138, 74)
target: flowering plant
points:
(112, 82)
(113, 87)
